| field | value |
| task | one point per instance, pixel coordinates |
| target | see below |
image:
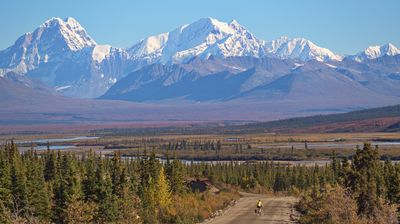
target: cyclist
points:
(259, 206)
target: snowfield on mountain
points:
(223, 58)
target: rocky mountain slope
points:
(207, 60)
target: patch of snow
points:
(150, 47)
(332, 66)
(297, 65)
(237, 68)
(113, 80)
(61, 88)
(100, 52)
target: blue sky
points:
(344, 26)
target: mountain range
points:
(205, 61)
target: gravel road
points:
(277, 210)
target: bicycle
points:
(259, 211)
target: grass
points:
(193, 208)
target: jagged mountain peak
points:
(210, 37)
(211, 24)
(216, 24)
(386, 49)
(390, 46)
(234, 22)
(54, 36)
(376, 51)
(70, 29)
(299, 48)
(62, 54)
(202, 38)
(68, 21)
(52, 39)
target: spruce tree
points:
(5, 182)
(365, 165)
(118, 177)
(335, 167)
(67, 188)
(38, 196)
(90, 182)
(5, 215)
(392, 181)
(108, 204)
(50, 167)
(18, 182)
(176, 176)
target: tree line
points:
(365, 190)
(60, 187)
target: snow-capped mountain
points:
(263, 80)
(373, 52)
(202, 38)
(54, 38)
(209, 36)
(299, 48)
(62, 54)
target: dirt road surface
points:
(277, 210)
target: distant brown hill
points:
(382, 119)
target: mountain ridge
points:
(263, 80)
(376, 51)
(62, 54)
